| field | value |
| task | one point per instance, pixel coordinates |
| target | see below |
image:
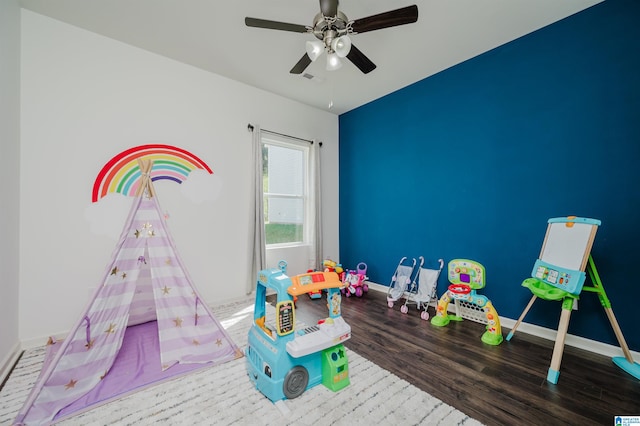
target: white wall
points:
(86, 98)
(9, 183)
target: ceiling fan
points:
(332, 29)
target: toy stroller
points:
(424, 291)
(354, 281)
(400, 281)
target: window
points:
(285, 166)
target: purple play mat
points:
(136, 366)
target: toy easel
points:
(559, 274)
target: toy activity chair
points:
(467, 276)
(559, 275)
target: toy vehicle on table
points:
(284, 361)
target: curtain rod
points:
(250, 127)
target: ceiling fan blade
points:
(360, 60)
(302, 65)
(329, 7)
(274, 25)
(405, 15)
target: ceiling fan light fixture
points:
(314, 49)
(332, 27)
(333, 62)
(341, 45)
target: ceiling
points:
(211, 35)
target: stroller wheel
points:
(424, 315)
(404, 309)
(390, 304)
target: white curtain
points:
(316, 252)
(258, 254)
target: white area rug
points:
(224, 395)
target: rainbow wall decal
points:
(122, 174)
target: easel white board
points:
(568, 244)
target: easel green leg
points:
(626, 363)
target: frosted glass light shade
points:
(341, 45)
(333, 62)
(314, 49)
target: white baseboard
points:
(571, 340)
(41, 341)
(9, 361)
(547, 333)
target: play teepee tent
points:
(145, 323)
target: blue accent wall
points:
(472, 162)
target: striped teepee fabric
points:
(145, 281)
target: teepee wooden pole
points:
(145, 178)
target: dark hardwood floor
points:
(497, 385)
